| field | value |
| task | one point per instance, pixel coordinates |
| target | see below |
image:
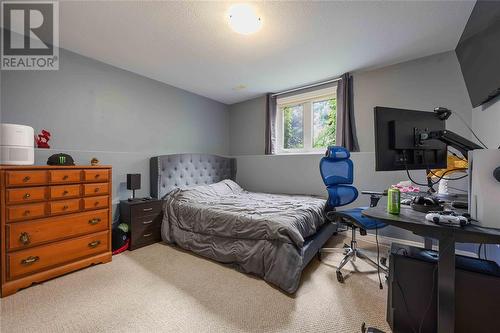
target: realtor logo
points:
(30, 35)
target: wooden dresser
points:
(54, 220)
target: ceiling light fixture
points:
(243, 19)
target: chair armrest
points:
(375, 192)
(374, 197)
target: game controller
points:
(447, 218)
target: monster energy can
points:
(393, 201)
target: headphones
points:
(426, 204)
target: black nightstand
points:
(144, 221)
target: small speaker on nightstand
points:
(133, 182)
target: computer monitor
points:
(397, 140)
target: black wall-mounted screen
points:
(478, 52)
(395, 147)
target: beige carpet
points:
(161, 289)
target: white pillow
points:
(235, 188)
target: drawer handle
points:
(97, 176)
(94, 244)
(147, 222)
(65, 207)
(30, 260)
(147, 235)
(26, 212)
(94, 221)
(147, 209)
(65, 192)
(96, 203)
(65, 177)
(27, 178)
(96, 189)
(26, 196)
(24, 238)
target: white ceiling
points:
(190, 45)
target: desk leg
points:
(428, 243)
(446, 285)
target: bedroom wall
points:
(94, 109)
(247, 127)
(420, 84)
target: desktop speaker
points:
(133, 181)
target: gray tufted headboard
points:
(170, 171)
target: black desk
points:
(447, 236)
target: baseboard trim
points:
(387, 241)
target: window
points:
(306, 122)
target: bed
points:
(205, 211)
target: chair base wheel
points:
(340, 277)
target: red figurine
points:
(43, 139)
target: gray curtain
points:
(346, 126)
(270, 125)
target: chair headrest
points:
(337, 153)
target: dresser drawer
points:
(95, 175)
(27, 234)
(95, 202)
(65, 176)
(146, 221)
(146, 208)
(95, 189)
(64, 206)
(46, 256)
(25, 212)
(64, 191)
(26, 194)
(149, 235)
(25, 178)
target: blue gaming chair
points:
(336, 169)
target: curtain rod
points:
(306, 87)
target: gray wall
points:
(247, 122)
(94, 109)
(420, 84)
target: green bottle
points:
(393, 201)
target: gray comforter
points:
(257, 233)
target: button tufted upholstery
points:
(170, 171)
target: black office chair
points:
(337, 170)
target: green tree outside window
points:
(326, 122)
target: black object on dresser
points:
(144, 220)
(133, 183)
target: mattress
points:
(257, 233)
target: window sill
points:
(300, 153)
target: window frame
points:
(306, 100)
